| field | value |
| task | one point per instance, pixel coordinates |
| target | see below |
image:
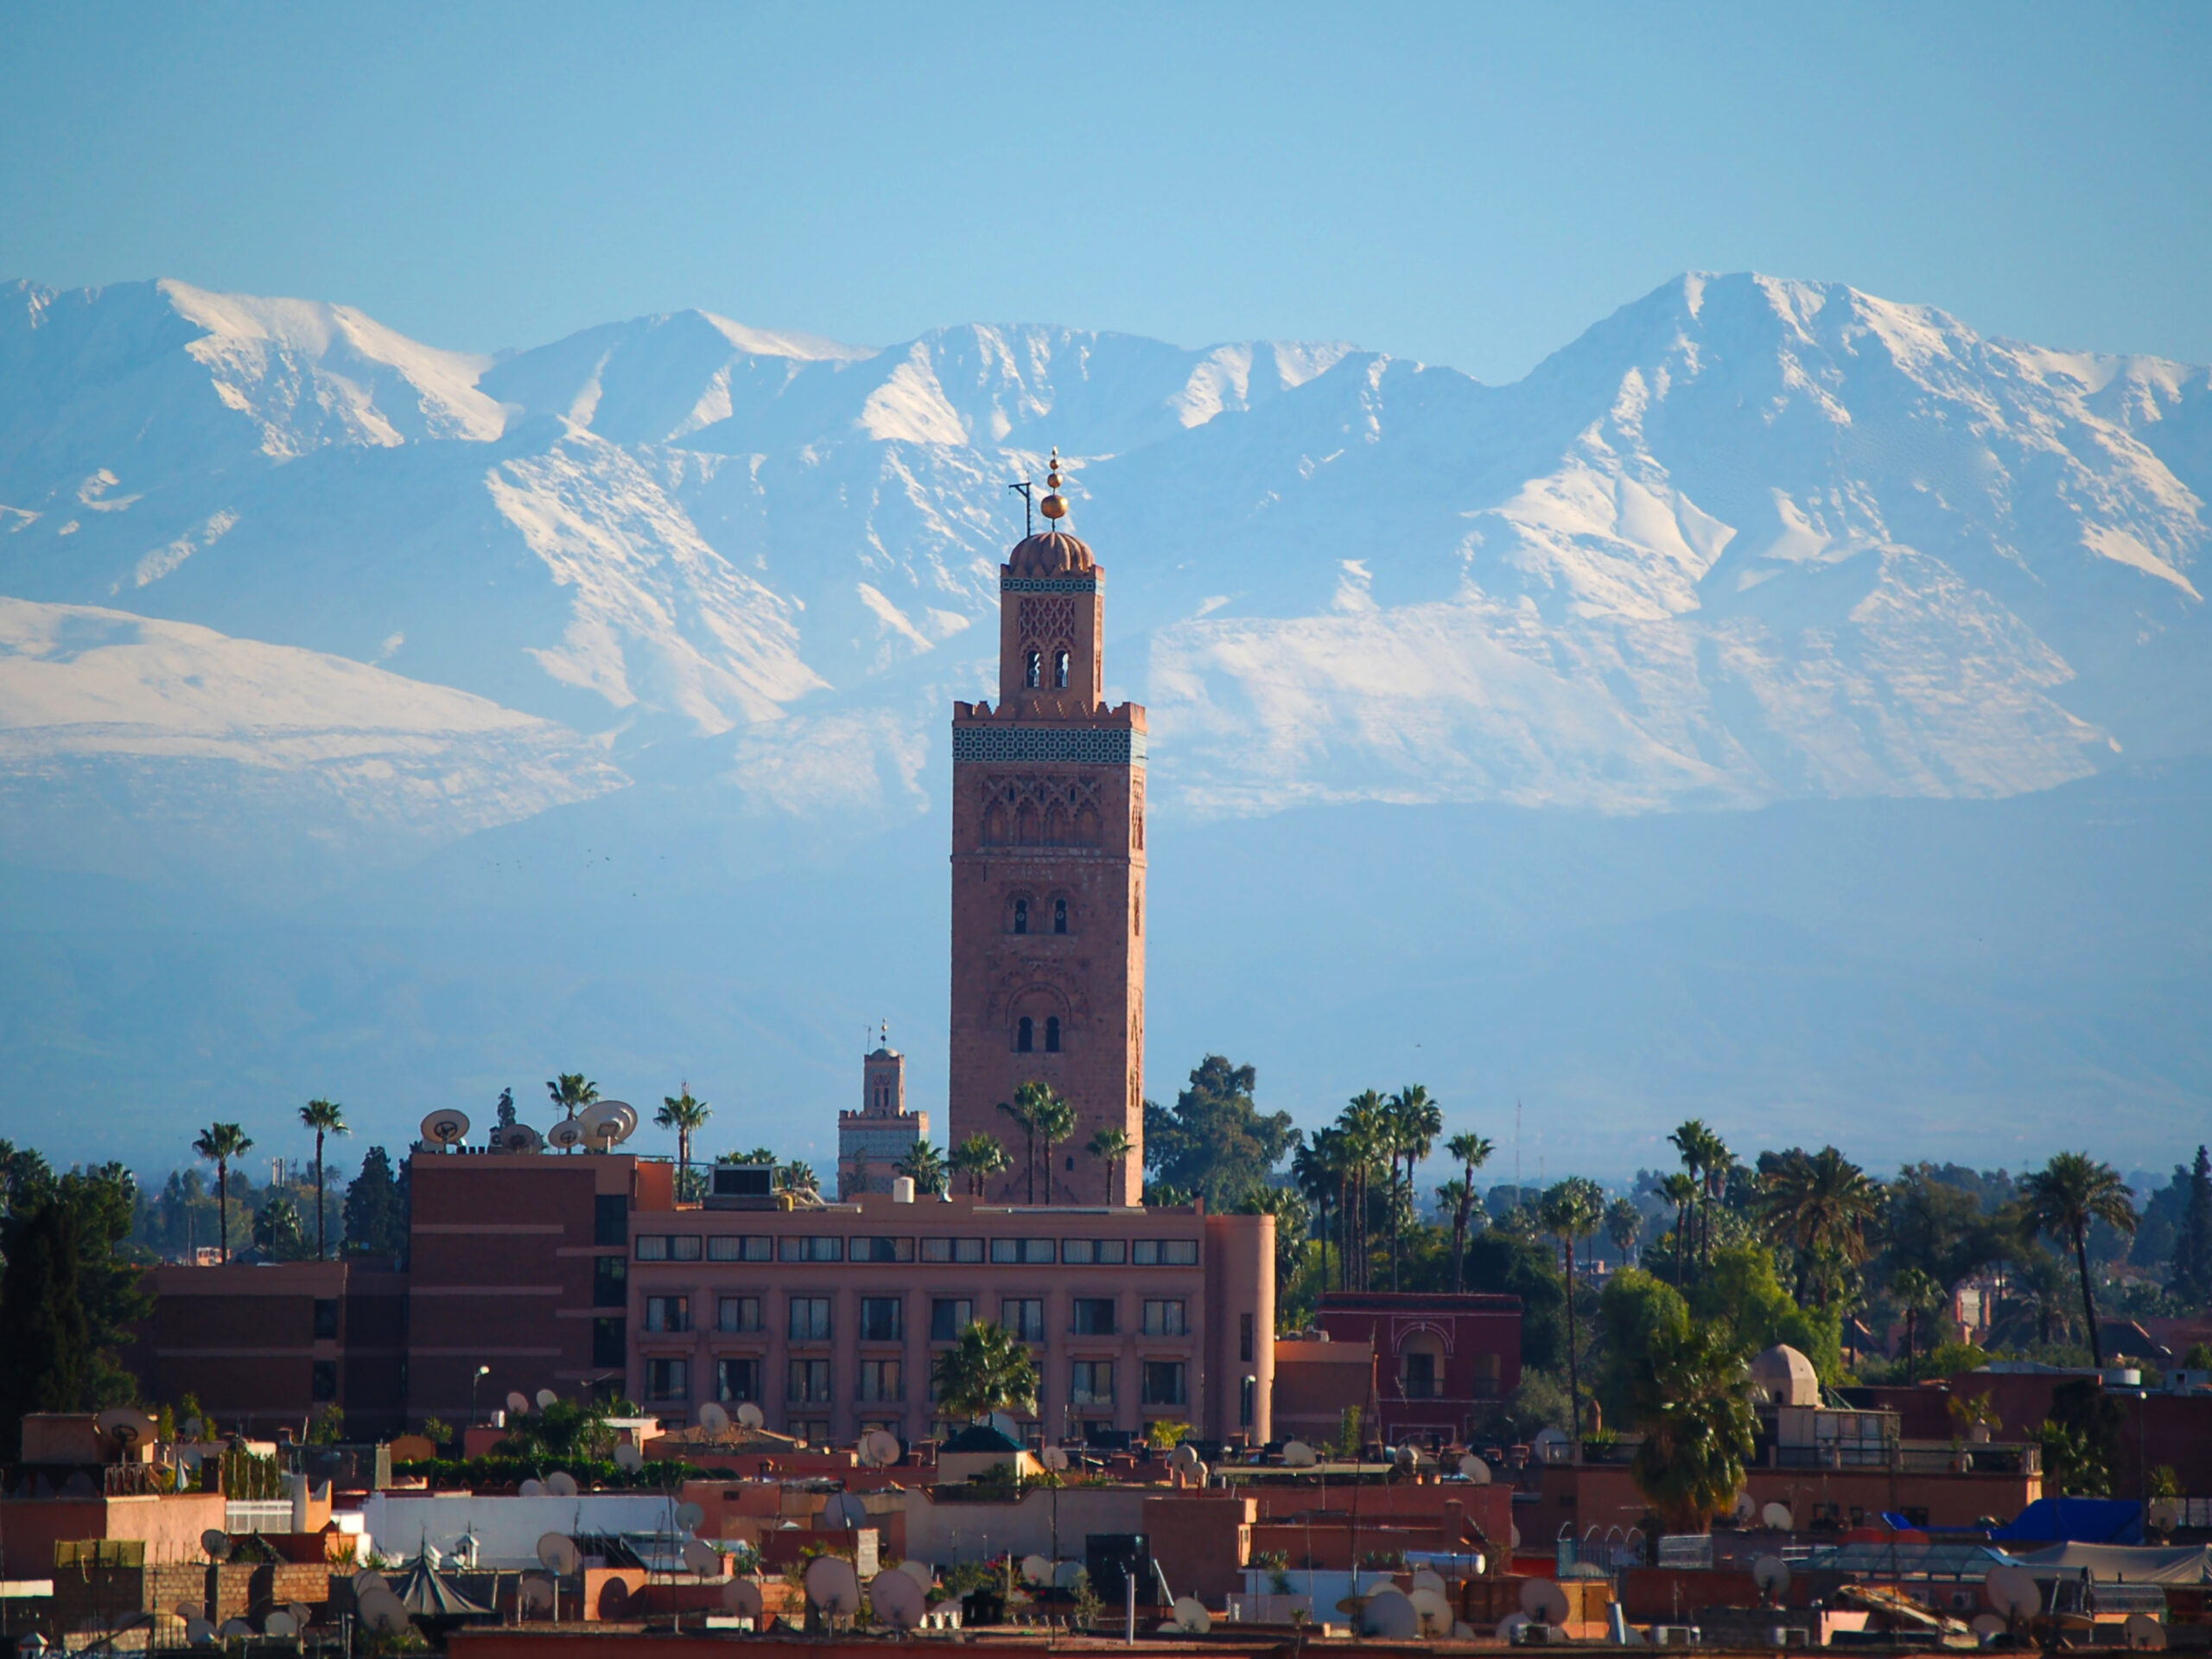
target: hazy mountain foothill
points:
(1784, 706)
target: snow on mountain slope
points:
(1745, 540)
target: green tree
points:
(1023, 1108)
(325, 1118)
(924, 1165)
(1215, 1141)
(1634, 1307)
(220, 1143)
(1916, 1296)
(1318, 1168)
(277, 1234)
(976, 1160)
(687, 1116)
(1471, 1152)
(985, 1370)
(46, 1362)
(1571, 1213)
(1624, 1225)
(1363, 1141)
(1414, 1121)
(1680, 1190)
(1505, 1263)
(572, 1091)
(1692, 1405)
(798, 1176)
(1288, 1205)
(376, 1209)
(1111, 1146)
(2063, 1200)
(1056, 1122)
(566, 1431)
(1820, 1204)
(2191, 1278)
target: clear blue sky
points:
(1463, 184)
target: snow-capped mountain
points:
(1746, 540)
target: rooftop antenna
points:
(1028, 516)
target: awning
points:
(2117, 1563)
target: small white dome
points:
(1786, 1376)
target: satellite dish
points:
(1772, 1575)
(2145, 1631)
(1006, 1425)
(832, 1586)
(537, 1595)
(689, 1517)
(920, 1572)
(1066, 1574)
(217, 1544)
(1296, 1454)
(192, 1427)
(565, 1135)
(627, 1456)
(1432, 1610)
(879, 1449)
(703, 1558)
(2013, 1591)
(519, 1403)
(126, 1425)
(1407, 1457)
(750, 1415)
(518, 1137)
(843, 1509)
(367, 1582)
(557, 1553)
(742, 1595)
(1745, 1508)
(1985, 1625)
(198, 1632)
(1510, 1628)
(445, 1126)
(1035, 1569)
(1191, 1616)
(188, 1610)
(1543, 1601)
(280, 1622)
(302, 1615)
(1389, 1613)
(1778, 1517)
(1474, 1469)
(714, 1420)
(547, 1399)
(1427, 1578)
(1053, 1458)
(234, 1628)
(897, 1600)
(1184, 1457)
(559, 1484)
(531, 1488)
(1514, 1539)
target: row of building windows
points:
(812, 1382)
(830, 1247)
(883, 1318)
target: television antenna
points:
(1025, 490)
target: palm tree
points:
(1691, 1139)
(1313, 1167)
(1364, 1125)
(221, 1142)
(1692, 1394)
(924, 1166)
(800, 1178)
(1055, 1123)
(1023, 1110)
(1471, 1152)
(2063, 1200)
(571, 1091)
(1414, 1122)
(1109, 1147)
(985, 1370)
(978, 1158)
(1681, 1191)
(1572, 1211)
(1719, 1161)
(686, 1117)
(1623, 1225)
(1820, 1204)
(324, 1117)
(1915, 1293)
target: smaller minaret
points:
(872, 1141)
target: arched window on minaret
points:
(1059, 915)
(1024, 1036)
(1033, 669)
(1060, 670)
(1052, 1033)
(1021, 915)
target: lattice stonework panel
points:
(1081, 747)
(1049, 619)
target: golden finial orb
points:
(1055, 506)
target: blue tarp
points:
(2075, 1520)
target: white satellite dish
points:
(714, 1420)
(627, 1456)
(445, 1126)
(547, 1399)
(565, 1136)
(1066, 1574)
(897, 1600)
(1053, 1458)
(519, 1403)
(1510, 1628)
(920, 1572)
(1543, 1601)
(1434, 1610)
(1191, 1616)
(1006, 1425)
(1514, 1538)
(702, 1559)
(1184, 1456)
(1772, 1575)
(879, 1449)
(1985, 1625)
(742, 1595)
(2012, 1591)
(750, 1416)
(1036, 1569)
(531, 1488)
(1745, 1510)
(518, 1137)
(559, 1484)
(126, 1425)
(367, 1582)
(690, 1516)
(1296, 1454)
(1407, 1457)
(217, 1544)
(844, 1510)
(537, 1595)
(199, 1631)
(2146, 1632)
(1474, 1469)
(832, 1586)
(279, 1623)
(557, 1553)
(302, 1615)
(1778, 1517)
(1389, 1613)
(1427, 1578)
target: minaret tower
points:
(1048, 871)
